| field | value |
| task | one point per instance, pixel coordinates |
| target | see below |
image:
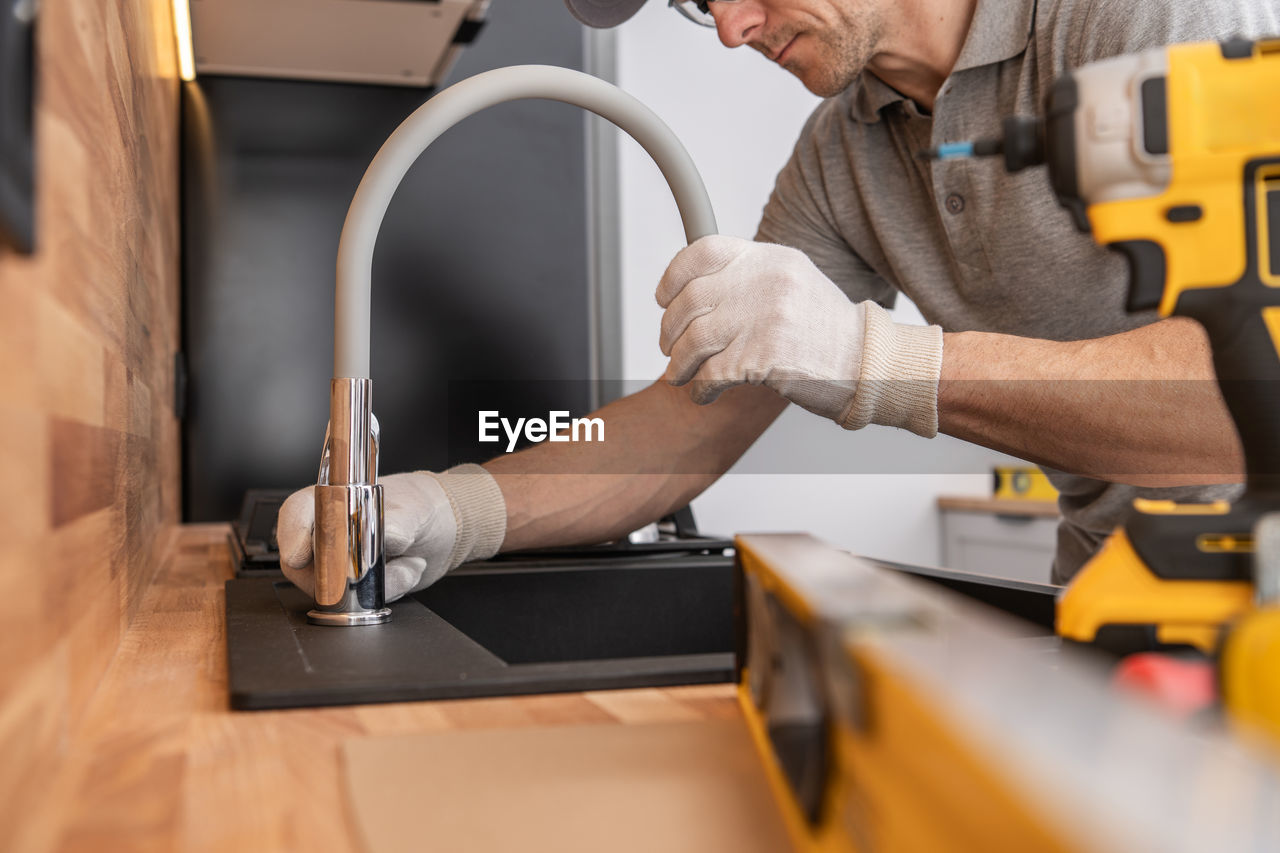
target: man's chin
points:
(820, 85)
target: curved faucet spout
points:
(428, 122)
(348, 539)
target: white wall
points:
(739, 115)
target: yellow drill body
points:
(1196, 209)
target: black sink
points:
(593, 618)
(539, 616)
(567, 622)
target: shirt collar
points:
(1000, 30)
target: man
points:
(1033, 352)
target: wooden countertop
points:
(161, 763)
(994, 506)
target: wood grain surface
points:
(88, 331)
(113, 705)
(1000, 506)
(687, 787)
(159, 762)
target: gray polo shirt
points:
(973, 247)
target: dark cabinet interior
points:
(480, 277)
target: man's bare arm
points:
(1140, 407)
(660, 451)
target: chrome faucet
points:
(350, 564)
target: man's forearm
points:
(1140, 407)
(660, 451)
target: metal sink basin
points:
(528, 626)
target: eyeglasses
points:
(697, 10)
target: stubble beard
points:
(843, 52)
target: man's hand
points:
(433, 523)
(744, 312)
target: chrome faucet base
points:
(348, 619)
(350, 567)
(349, 561)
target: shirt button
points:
(955, 203)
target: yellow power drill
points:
(1172, 157)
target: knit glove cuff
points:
(480, 510)
(898, 382)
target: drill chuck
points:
(1021, 143)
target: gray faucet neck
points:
(348, 540)
(428, 122)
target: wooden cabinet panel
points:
(88, 329)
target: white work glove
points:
(745, 312)
(433, 523)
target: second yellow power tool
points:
(1172, 157)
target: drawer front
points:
(1017, 547)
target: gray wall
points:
(480, 273)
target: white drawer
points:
(1008, 546)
